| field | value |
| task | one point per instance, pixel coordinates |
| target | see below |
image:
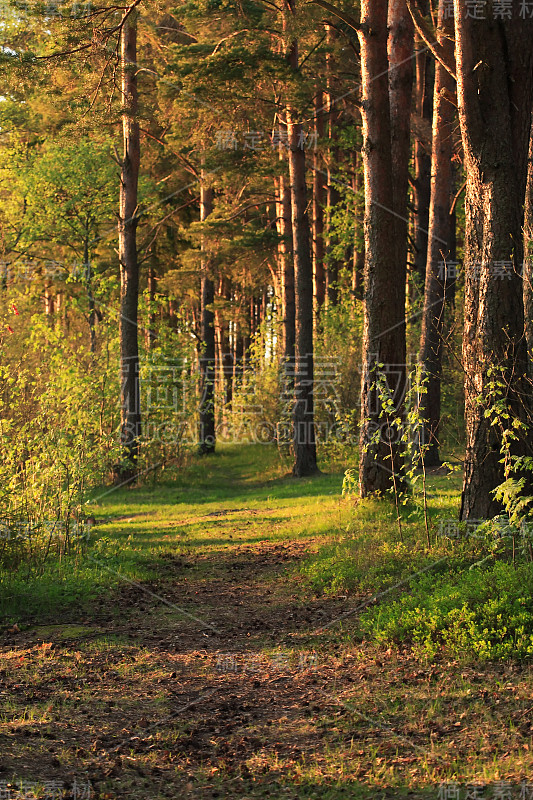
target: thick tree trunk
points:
(127, 250)
(385, 273)
(495, 94)
(303, 417)
(206, 429)
(438, 255)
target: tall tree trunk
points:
(228, 372)
(319, 283)
(304, 443)
(495, 94)
(332, 194)
(152, 289)
(528, 259)
(438, 255)
(451, 284)
(48, 301)
(224, 356)
(400, 52)
(127, 250)
(92, 308)
(384, 293)
(286, 267)
(358, 264)
(422, 159)
(303, 418)
(206, 432)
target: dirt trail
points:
(238, 697)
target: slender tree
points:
(286, 264)
(127, 249)
(438, 253)
(207, 355)
(528, 259)
(304, 443)
(422, 156)
(400, 52)
(333, 266)
(319, 194)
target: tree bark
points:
(332, 192)
(87, 272)
(286, 266)
(224, 356)
(438, 254)
(303, 417)
(400, 51)
(385, 273)
(206, 431)
(422, 162)
(303, 426)
(152, 289)
(528, 259)
(358, 263)
(319, 283)
(494, 91)
(127, 249)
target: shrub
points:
(485, 612)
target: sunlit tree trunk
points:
(400, 52)
(422, 159)
(438, 256)
(358, 264)
(319, 194)
(206, 432)
(152, 289)
(385, 272)
(528, 260)
(495, 94)
(285, 260)
(332, 191)
(87, 272)
(127, 249)
(304, 443)
(303, 420)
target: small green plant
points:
(415, 447)
(404, 422)
(350, 483)
(392, 427)
(517, 469)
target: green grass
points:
(137, 526)
(397, 699)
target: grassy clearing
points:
(190, 652)
(137, 527)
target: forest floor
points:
(187, 655)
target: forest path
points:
(207, 668)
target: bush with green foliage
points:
(485, 612)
